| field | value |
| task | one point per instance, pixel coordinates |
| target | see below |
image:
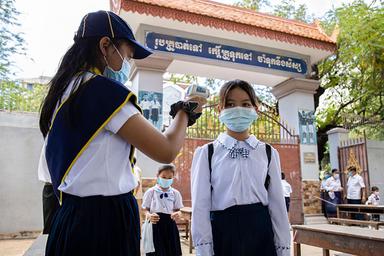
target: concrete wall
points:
(375, 150)
(20, 190)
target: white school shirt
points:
(155, 104)
(322, 184)
(355, 184)
(242, 183)
(287, 189)
(104, 167)
(145, 104)
(155, 200)
(373, 200)
(332, 184)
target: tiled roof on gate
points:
(232, 18)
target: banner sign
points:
(191, 47)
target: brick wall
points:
(312, 205)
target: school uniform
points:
(146, 107)
(155, 107)
(91, 171)
(355, 184)
(323, 195)
(50, 202)
(333, 188)
(287, 191)
(166, 237)
(232, 211)
(374, 200)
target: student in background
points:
(334, 192)
(162, 205)
(374, 199)
(323, 193)
(287, 190)
(356, 189)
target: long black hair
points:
(83, 55)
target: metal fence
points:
(268, 127)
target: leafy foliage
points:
(15, 97)
(256, 5)
(290, 10)
(354, 76)
(11, 42)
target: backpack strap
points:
(268, 151)
(210, 154)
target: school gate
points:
(354, 152)
(214, 40)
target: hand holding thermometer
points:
(196, 98)
(197, 91)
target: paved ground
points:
(17, 247)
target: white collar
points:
(157, 188)
(230, 142)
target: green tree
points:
(256, 5)
(15, 97)
(11, 42)
(291, 10)
(353, 78)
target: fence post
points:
(335, 137)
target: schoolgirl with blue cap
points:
(92, 124)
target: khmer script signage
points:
(179, 45)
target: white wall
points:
(375, 150)
(20, 190)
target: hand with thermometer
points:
(197, 95)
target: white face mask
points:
(121, 75)
(238, 119)
(336, 176)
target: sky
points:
(49, 27)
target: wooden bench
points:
(367, 223)
(187, 215)
(353, 240)
(185, 227)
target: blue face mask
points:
(164, 183)
(238, 119)
(121, 75)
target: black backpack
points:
(267, 151)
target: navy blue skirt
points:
(96, 225)
(243, 230)
(166, 237)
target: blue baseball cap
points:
(105, 23)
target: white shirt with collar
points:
(159, 201)
(332, 184)
(355, 184)
(104, 167)
(373, 200)
(323, 183)
(287, 189)
(243, 183)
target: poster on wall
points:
(307, 127)
(152, 105)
